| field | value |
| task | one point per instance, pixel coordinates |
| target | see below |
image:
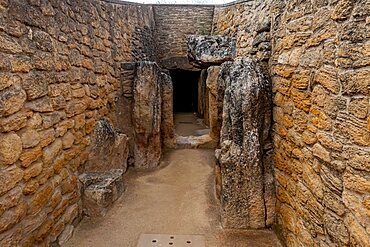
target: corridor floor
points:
(177, 198)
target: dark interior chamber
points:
(185, 90)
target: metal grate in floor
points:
(185, 122)
(166, 240)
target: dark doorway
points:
(185, 90)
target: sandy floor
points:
(176, 199)
(188, 124)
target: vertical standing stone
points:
(146, 116)
(109, 149)
(214, 124)
(167, 124)
(245, 131)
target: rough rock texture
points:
(214, 123)
(204, 51)
(321, 80)
(244, 137)
(146, 115)
(100, 190)
(59, 74)
(109, 149)
(147, 105)
(249, 23)
(202, 99)
(167, 122)
(173, 24)
(203, 141)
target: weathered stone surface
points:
(204, 51)
(52, 151)
(30, 138)
(33, 171)
(167, 122)
(40, 105)
(36, 86)
(109, 149)
(12, 217)
(58, 77)
(10, 148)
(30, 155)
(9, 177)
(146, 116)
(214, 123)
(325, 51)
(11, 100)
(40, 199)
(10, 199)
(100, 190)
(244, 133)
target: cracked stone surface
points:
(204, 50)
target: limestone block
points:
(167, 123)
(11, 100)
(146, 116)
(109, 149)
(10, 148)
(204, 51)
(100, 190)
(214, 124)
(246, 184)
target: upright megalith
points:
(167, 122)
(246, 188)
(146, 115)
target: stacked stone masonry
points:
(59, 74)
(321, 83)
(66, 65)
(318, 57)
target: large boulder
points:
(247, 191)
(204, 51)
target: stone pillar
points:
(124, 104)
(246, 195)
(167, 124)
(202, 103)
(146, 115)
(214, 124)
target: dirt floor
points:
(187, 124)
(177, 198)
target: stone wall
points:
(59, 74)
(321, 81)
(173, 24)
(248, 22)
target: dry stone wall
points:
(321, 81)
(59, 74)
(249, 23)
(173, 24)
(318, 54)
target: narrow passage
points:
(177, 198)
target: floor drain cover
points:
(164, 240)
(185, 122)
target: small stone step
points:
(100, 190)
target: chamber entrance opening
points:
(185, 90)
(187, 95)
